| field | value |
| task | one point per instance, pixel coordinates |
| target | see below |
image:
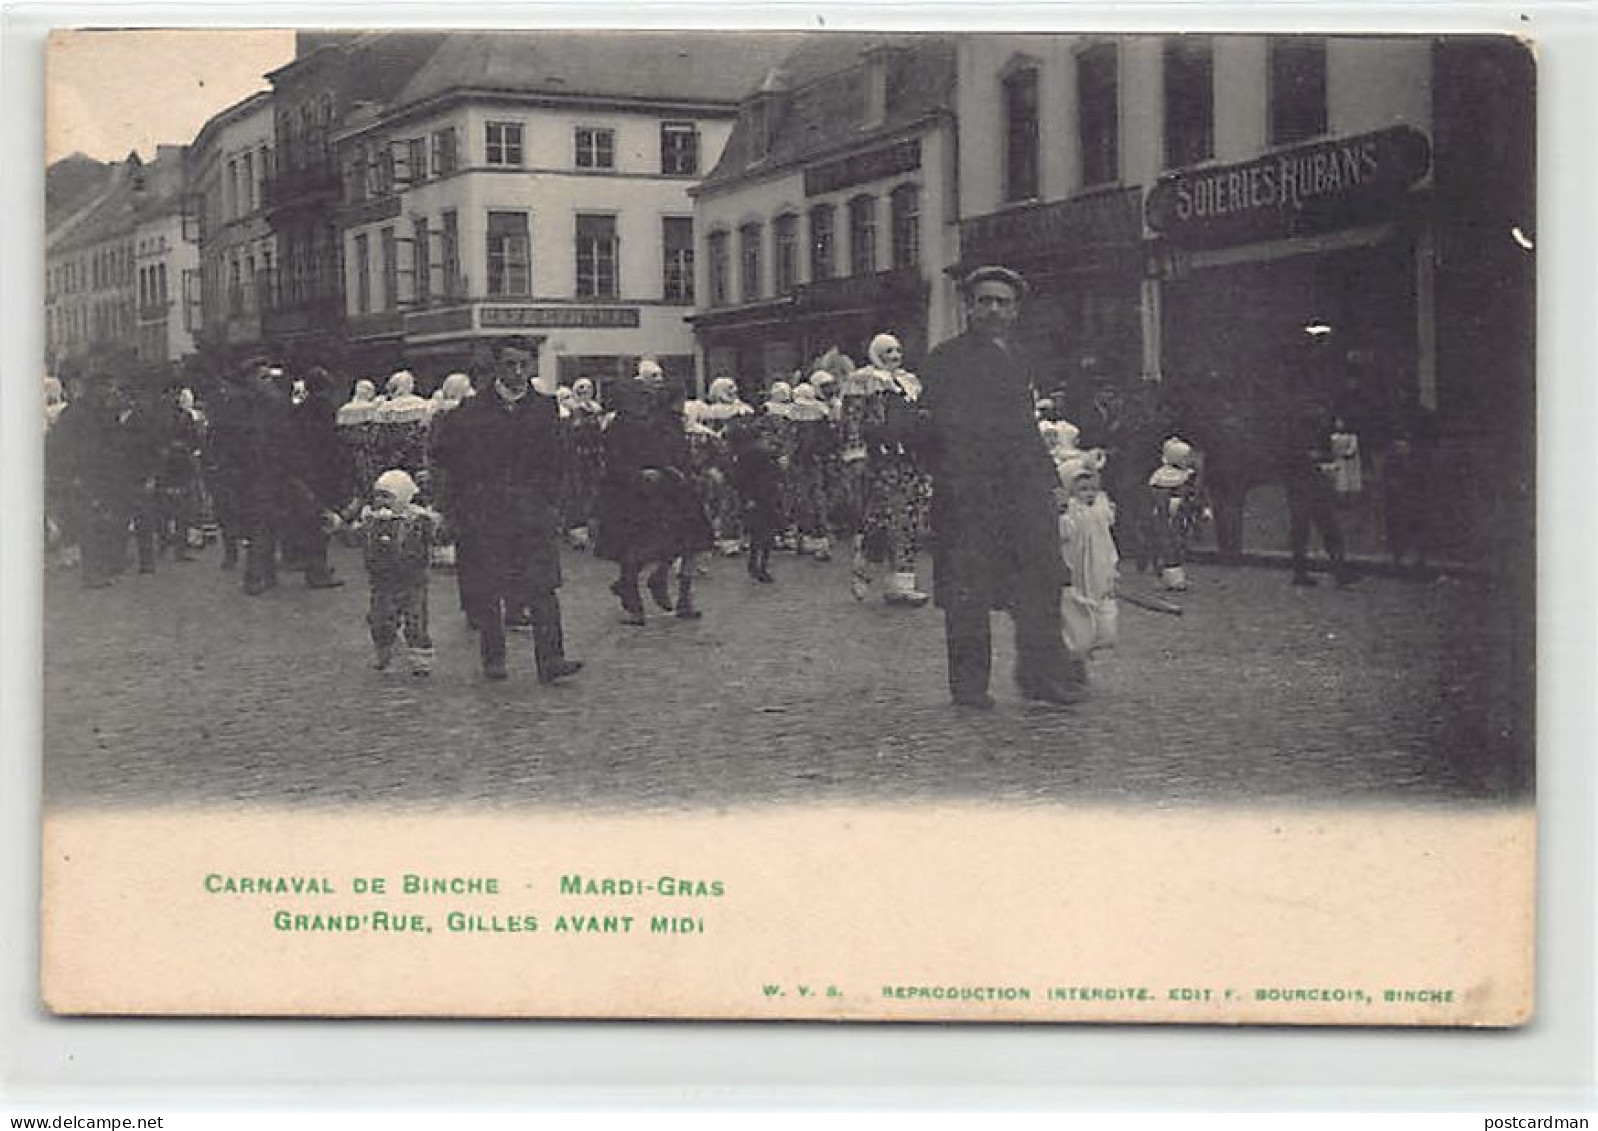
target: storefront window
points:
(1189, 100)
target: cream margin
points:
(860, 899)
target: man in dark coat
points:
(89, 477)
(261, 460)
(993, 506)
(319, 477)
(498, 474)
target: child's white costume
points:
(1088, 612)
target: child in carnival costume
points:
(1088, 611)
(396, 536)
(1177, 509)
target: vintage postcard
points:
(830, 525)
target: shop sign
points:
(1313, 188)
(454, 320)
(862, 291)
(859, 168)
(1017, 235)
(571, 317)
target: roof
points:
(819, 98)
(137, 190)
(654, 66)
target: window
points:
(445, 157)
(677, 240)
(504, 144)
(749, 280)
(679, 149)
(905, 209)
(1098, 113)
(863, 235)
(1021, 135)
(416, 159)
(390, 269)
(422, 260)
(363, 275)
(355, 186)
(1298, 88)
(449, 253)
(1189, 100)
(596, 148)
(823, 242)
(509, 254)
(385, 172)
(596, 257)
(249, 182)
(719, 268)
(786, 231)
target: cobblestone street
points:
(175, 688)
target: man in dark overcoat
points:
(320, 477)
(498, 473)
(90, 478)
(993, 505)
(263, 459)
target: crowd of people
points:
(492, 475)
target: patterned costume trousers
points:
(397, 608)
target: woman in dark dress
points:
(649, 512)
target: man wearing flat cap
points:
(993, 509)
(498, 468)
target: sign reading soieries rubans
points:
(1311, 188)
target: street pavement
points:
(176, 688)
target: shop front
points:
(1303, 277)
(771, 341)
(1309, 266)
(1083, 261)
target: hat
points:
(993, 273)
(397, 483)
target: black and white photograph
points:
(821, 525)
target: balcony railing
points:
(288, 186)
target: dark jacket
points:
(498, 478)
(648, 518)
(993, 510)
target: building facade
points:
(535, 187)
(118, 271)
(228, 165)
(830, 217)
(332, 76)
(1241, 207)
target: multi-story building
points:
(1243, 206)
(830, 216)
(227, 171)
(118, 272)
(535, 186)
(331, 76)
(166, 261)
